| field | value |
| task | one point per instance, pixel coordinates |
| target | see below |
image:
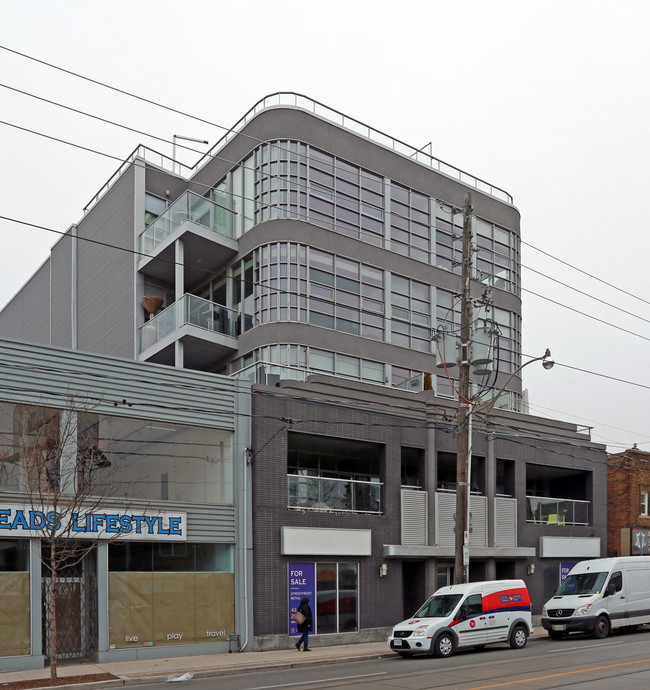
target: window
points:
(333, 474)
(617, 580)
(472, 606)
(153, 207)
(135, 458)
(156, 588)
(337, 596)
(644, 503)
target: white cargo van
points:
(468, 615)
(600, 595)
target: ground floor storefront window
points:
(333, 592)
(169, 594)
(14, 597)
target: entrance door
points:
(414, 586)
(70, 604)
(75, 593)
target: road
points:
(579, 662)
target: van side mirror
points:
(462, 613)
(610, 589)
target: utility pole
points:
(463, 439)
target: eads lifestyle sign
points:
(26, 521)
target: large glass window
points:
(14, 586)
(170, 593)
(30, 448)
(337, 597)
(145, 459)
(410, 314)
(333, 474)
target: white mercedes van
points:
(600, 595)
(467, 615)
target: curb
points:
(236, 670)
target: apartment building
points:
(316, 257)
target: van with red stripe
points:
(468, 615)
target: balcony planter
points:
(152, 304)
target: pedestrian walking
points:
(306, 625)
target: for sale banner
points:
(302, 583)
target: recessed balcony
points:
(207, 330)
(207, 231)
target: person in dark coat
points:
(305, 627)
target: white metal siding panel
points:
(478, 521)
(414, 517)
(61, 294)
(506, 521)
(446, 520)
(27, 316)
(44, 375)
(105, 289)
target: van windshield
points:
(584, 583)
(438, 606)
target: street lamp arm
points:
(547, 363)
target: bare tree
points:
(61, 467)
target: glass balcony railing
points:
(556, 511)
(319, 493)
(268, 374)
(193, 310)
(188, 206)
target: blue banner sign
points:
(565, 569)
(29, 521)
(302, 583)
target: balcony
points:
(556, 511)
(206, 229)
(340, 495)
(208, 331)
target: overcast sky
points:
(548, 100)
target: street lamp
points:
(464, 448)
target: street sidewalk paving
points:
(201, 666)
(208, 665)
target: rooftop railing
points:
(296, 100)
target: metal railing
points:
(296, 100)
(348, 495)
(195, 311)
(192, 207)
(147, 154)
(556, 511)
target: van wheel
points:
(406, 655)
(556, 634)
(444, 645)
(602, 627)
(518, 637)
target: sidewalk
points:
(206, 665)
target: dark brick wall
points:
(380, 600)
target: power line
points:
(277, 176)
(589, 316)
(590, 275)
(229, 130)
(586, 294)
